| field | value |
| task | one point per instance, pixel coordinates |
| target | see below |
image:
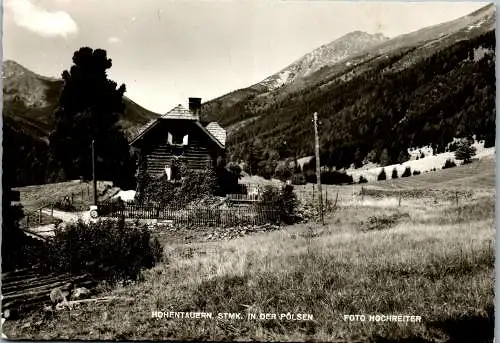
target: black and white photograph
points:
(268, 170)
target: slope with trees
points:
(30, 102)
(381, 113)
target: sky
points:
(166, 51)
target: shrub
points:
(283, 172)
(362, 179)
(382, 176)
(188, 186)
(452, 146)
(332, 177)
(449, 164)
(465, 151)
(335, 178)
(284, 200)
(394, 173)
(227, 179)
(107, 249)
(416, 172)
(407, 172)
(64, 204)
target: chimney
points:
(195, 106)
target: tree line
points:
(379, 113)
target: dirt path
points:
(68, 216)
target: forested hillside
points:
(383, 110)
(29, 103)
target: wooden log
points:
(38, 290)
(32, 278)
(35, 282)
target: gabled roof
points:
(217, 131)
(180, 113)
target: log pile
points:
(28, 288)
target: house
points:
(179, 135)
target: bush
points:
(284, 200)
(394, 173)
(335, 178)
(407, 172)
(331, 178)
(449, 164)
(188, 186)
(283, 172)
(65, 204)
(227, 180)
(106, 249)
(465, 151)
(416, 172)
(382, 176)
(362, 179)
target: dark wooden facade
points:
(163, 142)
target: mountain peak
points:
(344, 47)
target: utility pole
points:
(94, 181)
(318, 167)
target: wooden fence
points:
(248, 215)
(244, 197)
(37, 217)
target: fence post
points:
(456, 196)
(326, 197)
(362, 193)
(313, 193)
(336, 199)
(399, 203)
(40, 217)
(52, 209)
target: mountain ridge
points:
(34, 97)
(326, 54)
(273, 117)
(29, 102)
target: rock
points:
(80, 293)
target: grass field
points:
(417, 259)
(33, 197)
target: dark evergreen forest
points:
(380, 113)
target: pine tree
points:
(90, 106)
(394, 173)
(382, 176)
(465, 151)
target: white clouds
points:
(114, 40)
(40, 21)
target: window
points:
(177, 139)
(168, 172)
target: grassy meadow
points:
(33, 197)
(419, 259)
